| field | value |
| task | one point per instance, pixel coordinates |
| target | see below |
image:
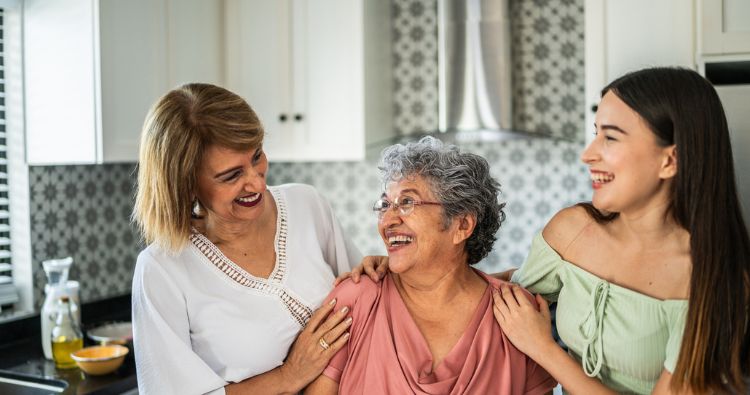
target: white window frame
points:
(18, 170)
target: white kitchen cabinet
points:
(195, 41)
(93, 68)
(724, 27)
(317, 72)
(627, 35)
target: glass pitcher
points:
(57, 271)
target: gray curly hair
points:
(461, 181)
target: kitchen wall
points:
(538, 175)
(84, 211)
(547, 54)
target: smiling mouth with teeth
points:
(600, 178)
(249, 201)
(400, 240)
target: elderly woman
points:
(234, 268)
(428, 327)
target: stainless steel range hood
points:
(474, 66)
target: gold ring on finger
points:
(323, 343)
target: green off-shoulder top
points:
(620, 336)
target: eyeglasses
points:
(404, 205)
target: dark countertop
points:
(121, 380)
(21, 351)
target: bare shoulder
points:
(565, 227)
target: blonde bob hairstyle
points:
(176, 132)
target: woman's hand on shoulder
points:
(528, 328)
(325, 334)
(374, 266)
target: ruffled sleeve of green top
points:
(542, 271)
(676, 313)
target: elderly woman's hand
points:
(321, 339)
(529, 329)
(373, 266)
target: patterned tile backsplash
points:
(547, 73)
(548, 80)
(415, 65)
(84, 211)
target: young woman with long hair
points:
(652, 278)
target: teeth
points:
(400, 239)
(249, 199)
(602, 177)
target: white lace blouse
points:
(201, 322)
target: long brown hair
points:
(683, 109)
(177, 130)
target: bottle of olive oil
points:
(67, 337)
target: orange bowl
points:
(99, 360)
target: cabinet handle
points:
(594, 108)
(297, 117)
(282, 118)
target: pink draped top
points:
(387, 354)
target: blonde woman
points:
(234, 269)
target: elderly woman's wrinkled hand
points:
(321, 339)
(529, 329)
(373, 266)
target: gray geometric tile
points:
(84, 212)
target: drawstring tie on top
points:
(591, 329)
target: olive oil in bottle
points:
(67, 337)
(61, 350)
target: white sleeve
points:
(165, 361)
(338, 250)
(341, 253)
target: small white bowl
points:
(112, 333)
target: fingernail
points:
(346, 335)
(348, 320)
(332, 302)
(345, 310)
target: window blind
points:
(8, 293)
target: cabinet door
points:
(59, 84)
(133, 62)
(725, 26)
(624, 36)
(147, 48)
(300, 65)
(329, 78)
(258, 61)
(195, 42)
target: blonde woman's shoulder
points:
(566, 226)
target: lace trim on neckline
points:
(273, 284)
